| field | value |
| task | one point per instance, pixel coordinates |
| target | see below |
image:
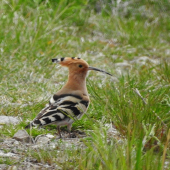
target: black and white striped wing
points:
(61, 108)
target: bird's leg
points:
(69, 134)
(69, 129)
(58, 128)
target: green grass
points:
(34, 32)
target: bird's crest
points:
(66, 61)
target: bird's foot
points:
(66, 136)
(71, 135)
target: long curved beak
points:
(96, 69)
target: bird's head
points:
(77, 65)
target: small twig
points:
(160, 119)
(138, 93)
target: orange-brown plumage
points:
(77, 75)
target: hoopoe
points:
(71, 101)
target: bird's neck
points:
(77, 82)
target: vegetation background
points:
(128, 38)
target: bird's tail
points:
(34, 123)
(29, 126)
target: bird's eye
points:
(80, 66)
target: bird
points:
(71, 101)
